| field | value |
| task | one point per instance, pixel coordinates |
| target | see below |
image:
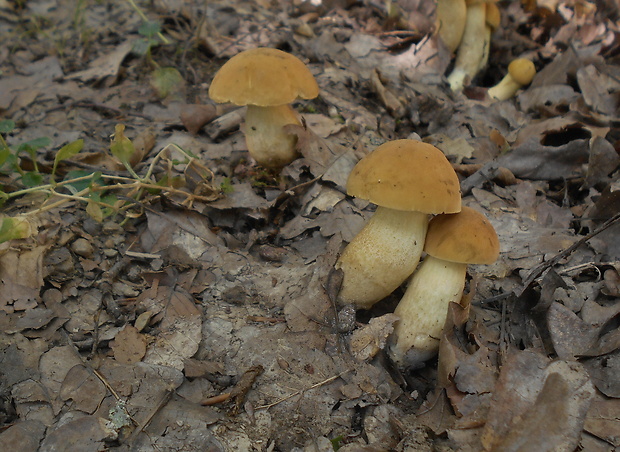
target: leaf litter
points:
(221, 289)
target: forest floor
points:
(187, 303)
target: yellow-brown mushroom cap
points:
(522, 71)
(407, 175)
(466, 237)
(264, 77)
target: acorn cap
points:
(522, 71)
(407, 175)
(263, 77)
(466, 237)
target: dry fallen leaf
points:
(603, 420)
(129, 345)
(85, 390)
(537, 405)
(106, 65)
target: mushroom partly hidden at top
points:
(452, 242)
(408, 180)
(267, 81)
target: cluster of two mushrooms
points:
(409, 181)
(465, 27)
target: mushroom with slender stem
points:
(408, 180)
(471, 50)
(452, 242)
(267, 81)
(520, 73)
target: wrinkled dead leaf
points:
(194, 116)
(24, 436)
(571, 336)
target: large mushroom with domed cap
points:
(408, 180)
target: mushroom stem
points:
(505, 89)
(471, 50)
(423, 310)
(385, 252)
(268, 143)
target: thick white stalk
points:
(423, 310)
(471, 50)
(267, 141)
(382, 256)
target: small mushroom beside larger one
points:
(521, 72)
(452, 242)
(267, 81)
(408, 180)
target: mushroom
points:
(452, 242)
(450, 22)
(267, 81)
(520, 73)
(471, 51)
(408, 180)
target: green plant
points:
(164, 80)
(103, 194)
(226, 186)
(336, 442)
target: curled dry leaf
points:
(367, 341)
(194, 116)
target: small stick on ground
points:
(216, 399)
(225, 123)
(540, 268)
(290, 396)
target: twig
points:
(540, 268)
(162, 402)
(225, 123)
(216, 399)
(296, 393)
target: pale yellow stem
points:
(423, 310)
(382, 256)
